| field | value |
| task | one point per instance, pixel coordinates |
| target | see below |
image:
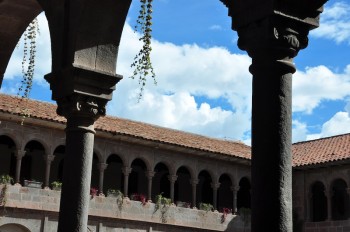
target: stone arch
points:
(7, 155)
(243, 194)
(56, 171)
(318, 202)
(43, 143)
(13, 137)
(12, 227)
(168, 164)
(189, 169)
(183, 185)
(204, 189)
(340, 200)
(160, 181)
(17, 15)
(137, 178)
(143, 159)
(113, 176)
(95, 173)
(33, 163)
(225, 194)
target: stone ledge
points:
(107, 207)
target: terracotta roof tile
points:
(320, 151)
(47, 111)
(304, 153)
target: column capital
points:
(150, 174)
(126, 170)
(102, 166)
(348, 190)
(20, 154)
(215, 186)
(172, 178)
(80, 92)
(194, 182)
(49, 158)
(234, 188)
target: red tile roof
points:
(307, 153)
(321, 151)
(114, 125)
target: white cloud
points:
(338, 124)
(42, 60)
(190, 76)
(182, 73)
(215, 27)
(299, 131)
(318, 84)
(335, 23)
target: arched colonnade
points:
(139, 173)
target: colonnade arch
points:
(243, 194)
(225, 195)
(204, 189)
(318, 202)
(183, 182)
(113, 174)
(329, 201)
(8, 155)
(13, 227)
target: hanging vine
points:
(28, 64)
(142, 62)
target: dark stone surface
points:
(272, 32)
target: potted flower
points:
(33, 184)
(183, 204)
(206, 206)
(225, 212)
(114, 193)
(6, 179)
(56, 185)
(139, 197)
(93, 192)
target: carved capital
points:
(81, 106)
(150, 174)
(20, 154)
(126, 170)
(215, 186)
(194, 182)
(49, 158)
(273, 37)
(102, 166)
(172, 178)
(234, 189)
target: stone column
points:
(48, 160)
(272, 32)
(101, 167)
(308, 206)
(234, 190)
(272, 43)
(81, 113)
(150, 175)
(329, 194)
(19, 155)
(81, 96)
(194, 183)
(126, 171)
(215, 187)
(172, 179)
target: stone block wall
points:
(37, 210)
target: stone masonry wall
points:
(36, 209)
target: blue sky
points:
(204, 85)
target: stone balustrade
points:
(121, 211)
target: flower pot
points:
(32, 184)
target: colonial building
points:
(143, 161)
